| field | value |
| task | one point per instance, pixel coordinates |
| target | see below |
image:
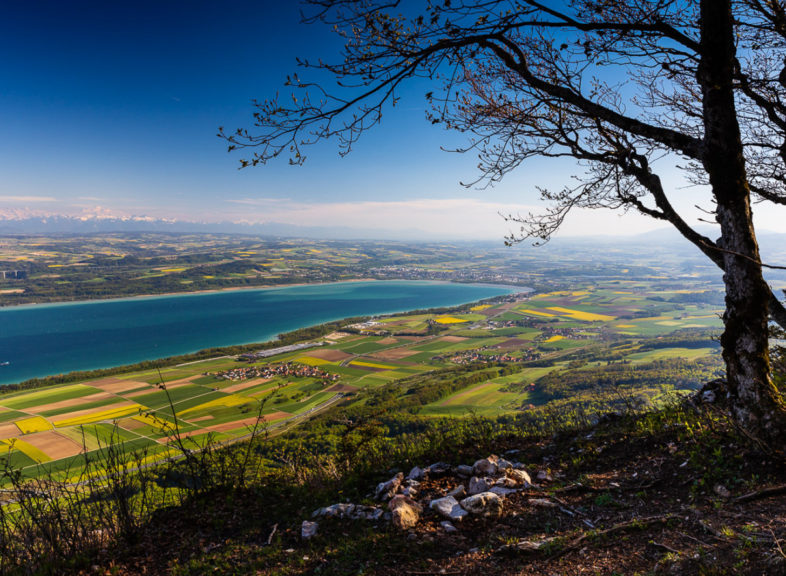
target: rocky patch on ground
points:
(463, 490)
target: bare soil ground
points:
(53, 444)
(117, 385)
(68, 403)
(9, 431)
(334, 336)
(247, 422)
(202, 418)
(130, 424)
(395, 354)
(178, 383)
(341, 388)
(450, 339)
(329, 355)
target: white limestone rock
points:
(308, 529)
(449, 508)
(486, 504)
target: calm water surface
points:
(42, 340)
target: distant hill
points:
(72, 225)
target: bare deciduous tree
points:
(704, 88)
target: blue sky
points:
(113, 107)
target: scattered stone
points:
(405, 512)
(410, 491)
(386, 490)
(478, 485)
(340, 510)
(708, 396)
(410, 488)
(486, 466)
(308, 529)
(506, 482)
(346, 510)
(464, 471)
(448, 527)
(504, 464)
(721, 491)
(439, 469)
(520, 477)
(458, 492)
(416, 473)
(449, 508)
(543, 476)
(485, 504)
(542, 503)
(530, 545)
(368, 513)
(502, 491)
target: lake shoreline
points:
(60, 338)
(246, 288)
(191, 292)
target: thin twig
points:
(665, 547)
(272, 533)
(763, 493)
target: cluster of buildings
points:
(572, 333)
(417, 273)
(471, 356)
(285, 369)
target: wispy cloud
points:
(449, 217)
(445, 217)
(27, 199)
(260, 201)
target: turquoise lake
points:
(47, 339)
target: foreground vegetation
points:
(676, 490)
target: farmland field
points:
(528, 337)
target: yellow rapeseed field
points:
(34, 424)
(449, 320)
(480, 307)
(553, 339)
(372, 365)
(311, 361)
(536, 313)
(111, 414)
(27, 449)
(579, 315)
(224, 402)
(148, 419)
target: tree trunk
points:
(754, 401)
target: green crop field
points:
(532, 339)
